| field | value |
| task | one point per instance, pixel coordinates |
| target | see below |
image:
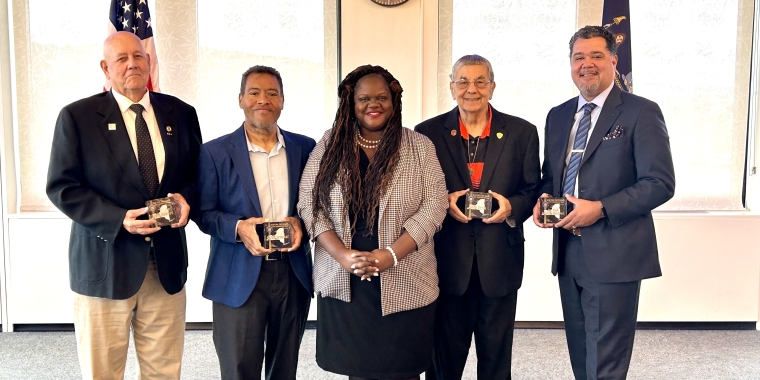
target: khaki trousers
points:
(157, 320)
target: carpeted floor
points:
(537, 354)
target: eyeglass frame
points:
(466, 83)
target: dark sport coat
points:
(512, 169)
(630, 174)
(93, 178)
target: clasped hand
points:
(367, 264)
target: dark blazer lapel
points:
(239, 153)
(167, 129)
(118, 141)
(566, 115)
(496, 145)
(293, 154)
(604, 122)
(453, 140)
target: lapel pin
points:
(453, 132)
(499, 135)
(111, 126)
(168, 130)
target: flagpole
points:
(752, 120)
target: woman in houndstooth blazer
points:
(372, 196)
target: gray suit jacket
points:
(631, 175)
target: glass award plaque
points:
(478, 205)
(277, 235)
(553, 209)
(164, 211)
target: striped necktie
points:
(579, 145)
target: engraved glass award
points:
(277, 235)
(553, 209)
(164, 211)
(478, 205)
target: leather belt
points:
(274, 256)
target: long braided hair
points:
(340, 163)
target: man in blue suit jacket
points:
(244, 179)
(608, 153)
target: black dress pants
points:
(600, 318)
(267, 328)
(491, 319)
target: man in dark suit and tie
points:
(608, 153)
(245, 179)
(111, 153)
(480, 262)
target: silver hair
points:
(472, 59)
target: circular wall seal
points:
(389, 3)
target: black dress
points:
(354, 339)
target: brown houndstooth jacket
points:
(415, 201)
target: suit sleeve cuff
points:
(237, 237)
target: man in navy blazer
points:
(126, 273)
(245, 179)
(608, 153)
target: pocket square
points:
(617, 132)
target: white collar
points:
(255, 148)
(124, 102)
(599, 100)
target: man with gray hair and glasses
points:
(490, 161)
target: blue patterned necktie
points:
(579, 145)
(145, 156)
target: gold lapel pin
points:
(168, 130)
(453, 132)
(111, 126)
(499, 135)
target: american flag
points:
(134, 16)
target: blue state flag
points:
(617, 19)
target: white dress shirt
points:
(270, 171)
(150, 118)
(599, 101)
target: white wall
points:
(402, 39)
(711, 261)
